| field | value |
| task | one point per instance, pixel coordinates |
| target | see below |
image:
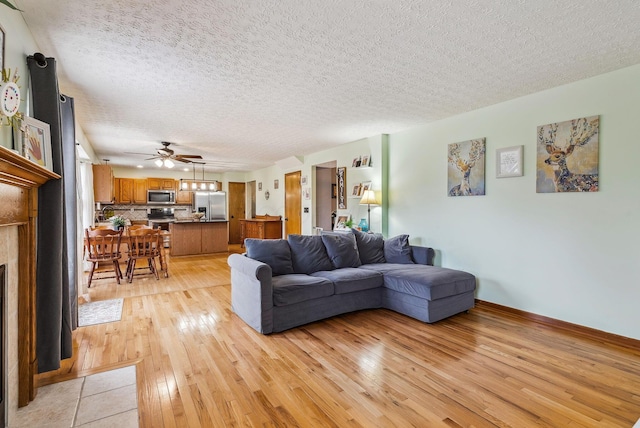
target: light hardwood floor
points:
(199, 365)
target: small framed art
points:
(509, 162)
(341, 222)
(36, 142)
(342, 188)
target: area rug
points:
(100, 312)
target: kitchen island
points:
(190, 237)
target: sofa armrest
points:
(252, 292)
(422, 255)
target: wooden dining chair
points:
(146, 244)
(103, 245)
(138, 227)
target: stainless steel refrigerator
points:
(212, 204)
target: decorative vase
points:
(364, 226)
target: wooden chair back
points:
(144, 242)
(137, 227)
(102, 244)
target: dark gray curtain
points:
(56, 275)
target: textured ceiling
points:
(246, 83)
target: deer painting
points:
(575, 169)
(474, 149)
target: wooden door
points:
(237, 201)
(292, 204)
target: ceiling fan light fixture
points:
(169, 163)
(158, 162)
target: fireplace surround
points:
(19, 182)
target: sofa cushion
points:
(274, 252)
(296, 288)
(342, 249)
(308, 254)
(427, 282)
(348, 280)
(397, 250)
(370, 247)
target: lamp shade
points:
(369, 198)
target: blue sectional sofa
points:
(280, 284)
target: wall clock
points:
(9, 98)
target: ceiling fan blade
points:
(154, 157)
(183, 160)
(188, 156)
(138, 153)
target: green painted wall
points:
(569, 256)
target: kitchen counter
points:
(186, 220)
(190, 237)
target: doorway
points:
(237, 203)
(292, 204)
(325, 196)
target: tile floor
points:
(107, 399)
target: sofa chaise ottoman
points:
(280, 284)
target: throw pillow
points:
(370, 247)
(274, 252)
(397, 250)
(342, 249)
(308, 254)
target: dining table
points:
(124, 247)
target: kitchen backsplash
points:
(140, 212)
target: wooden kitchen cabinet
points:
(140, 191)
(182, 196)
(124, 191)
(194, 237)
(103, 191)
(161, 184)
(261, 227)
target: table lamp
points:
(369, 198)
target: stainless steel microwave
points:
(161, 197)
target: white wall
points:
(570, 256)
(18, 44)
(344, 155)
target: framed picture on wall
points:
(276, 184)
(260, 186)
(342, 191)
(36, 142)
(465, 174)
(509, 162)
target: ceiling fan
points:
(165, 156)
